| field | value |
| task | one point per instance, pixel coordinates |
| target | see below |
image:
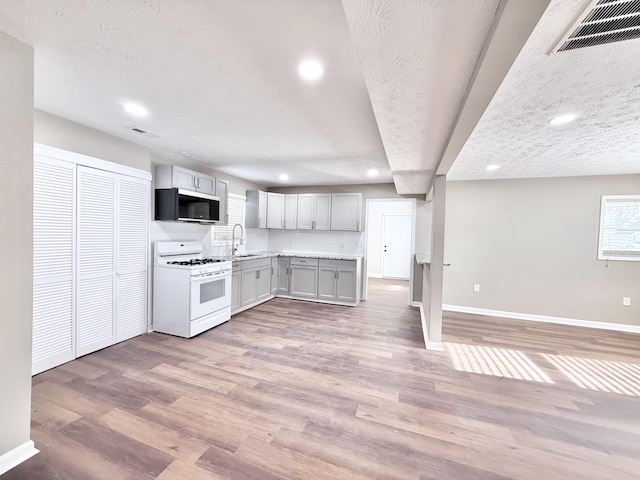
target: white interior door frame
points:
(368, 203)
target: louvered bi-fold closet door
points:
(132, 246)
(53, 263)
(96, 193)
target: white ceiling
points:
(219, 79)
(600, 84)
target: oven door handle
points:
(206, 276)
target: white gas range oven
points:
(191, 294)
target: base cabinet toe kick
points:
(313, 279)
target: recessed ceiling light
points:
(135, 109)
(490, 168)
(310, 70)
(284, 177)
(372, 172)
(562, 119)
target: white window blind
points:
(236, 207)
(619, 237)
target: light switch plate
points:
(626, 301)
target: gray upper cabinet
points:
(256, 209)
(206, 184)
(314, 211)
(346, 211)
(304, 211)
(222, 192)
(290, 211)
(275, 210)
(172, 176)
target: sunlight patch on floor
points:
(601, 375)
(497, 362)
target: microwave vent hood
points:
(178, 205)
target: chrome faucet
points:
(234, 247)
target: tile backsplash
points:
(348, 243)
(260, 240)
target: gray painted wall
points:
(16, 252)
(531, 244)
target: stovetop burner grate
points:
(196, 261)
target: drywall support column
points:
(435, 270)
(16, 250)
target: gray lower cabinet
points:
(283, 275)
(249, 287)
(337, 280)
(236, 286)
(257, 280)
(263, 282)
(274, 275)
(250, 283)
(304, 277)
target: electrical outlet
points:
(626, 301)
(476, 287)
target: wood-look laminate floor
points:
(297, 390)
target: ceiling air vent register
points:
(604, 21)
(142, 132)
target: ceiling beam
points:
(512, 26)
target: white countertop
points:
(423, 259)
(326, 256)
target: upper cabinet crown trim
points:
(87, 161)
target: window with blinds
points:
(619, 237)
(235, 206)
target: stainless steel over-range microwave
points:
(176, 204)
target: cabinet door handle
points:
(335, 274)
(272, 271)
(257, 273)
(197, 182)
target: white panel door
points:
(96, 217)
(275, 210)
(322, 211)
(132, 245)
(53, 263)
(396, 247)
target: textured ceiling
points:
(600, 84)
(417, 58)
(218, 77)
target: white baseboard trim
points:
(429, 345)
(15, 457)
(415, 304)
(620, 327)
(374, 275)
